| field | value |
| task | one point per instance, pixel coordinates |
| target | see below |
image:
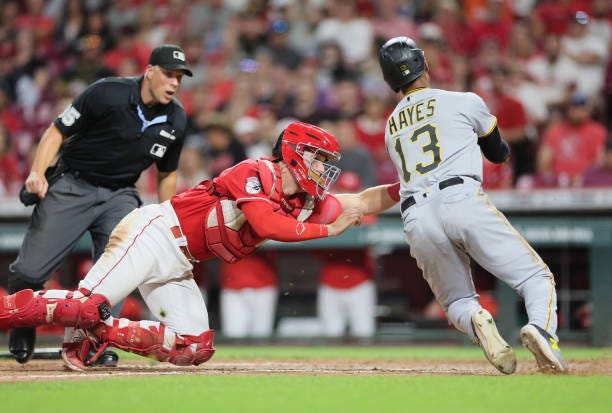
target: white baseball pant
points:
(144, 253)
(354, 307)
(248, 312)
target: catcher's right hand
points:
(350, 216)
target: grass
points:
(316, 394)
(324, 393)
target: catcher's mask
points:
(307, 151)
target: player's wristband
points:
(324, 231)
(393, 191)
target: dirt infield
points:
(53, 370)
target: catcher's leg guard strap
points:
(27, 308)
(193, 349)
(153, 339)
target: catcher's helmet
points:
(301, 145)
(401, 62)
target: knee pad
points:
(27, 308)
(93, 310)
(74, 309)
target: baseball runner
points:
(435, 139)
(283, 198)
(109, 134)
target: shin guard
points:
(153, 339)
(27, 308)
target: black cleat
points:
(545, 349)
(21, 343)
(107, 359)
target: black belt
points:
(410, 201)
(95, 182)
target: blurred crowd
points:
(543, 67)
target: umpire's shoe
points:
(545, 349)
(21, 343)
(498, 352)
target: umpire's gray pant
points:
(71, 208)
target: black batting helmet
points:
(401, 61)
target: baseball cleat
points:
(75, 353)
(497, 351)
(545, 349)
(107, 359)
(77, 356)
(21, 343)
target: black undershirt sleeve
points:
(494, 147)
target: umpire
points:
(103, 141)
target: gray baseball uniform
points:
(432, 137)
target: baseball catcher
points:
(283, 198)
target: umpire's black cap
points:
(170, 57)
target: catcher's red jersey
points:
(258, 184)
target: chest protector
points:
(228, 234)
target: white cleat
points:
(498, 352)
(545, 349)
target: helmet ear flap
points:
(276, 151)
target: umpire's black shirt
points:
(113, 136)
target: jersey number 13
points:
(427, 131)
